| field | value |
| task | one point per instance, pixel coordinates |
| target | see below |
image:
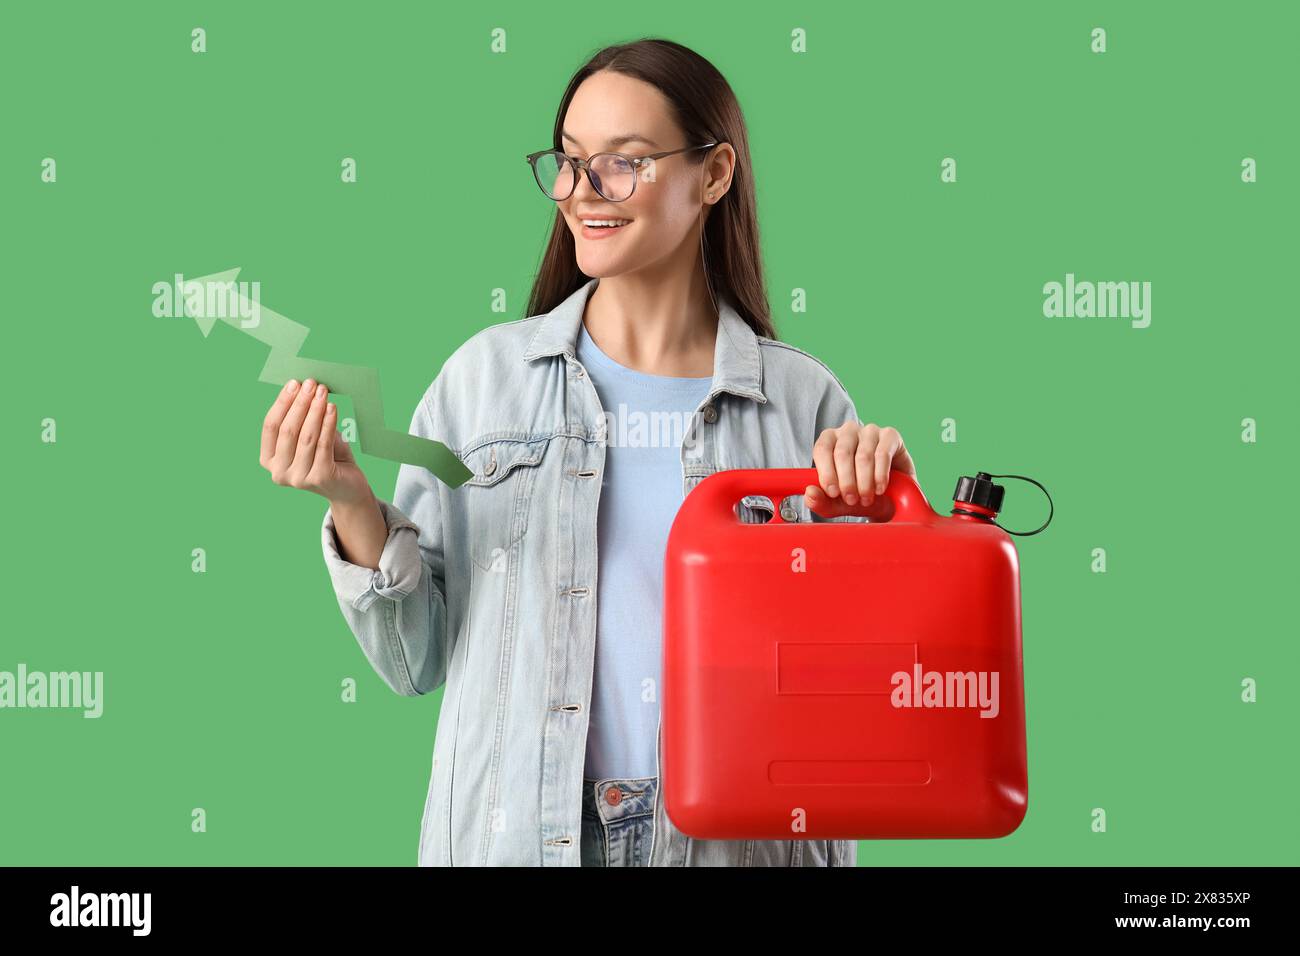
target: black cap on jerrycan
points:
(981, 498)
(979, 490)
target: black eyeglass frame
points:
(578, 164)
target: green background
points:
(223, 688)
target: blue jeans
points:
(617, 821)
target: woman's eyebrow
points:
(616, 141)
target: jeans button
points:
(613, 796)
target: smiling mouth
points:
(594, 230)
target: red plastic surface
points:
(783, 649)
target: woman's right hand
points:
(303, 448)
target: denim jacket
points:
(489, 590)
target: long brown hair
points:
(707, 111)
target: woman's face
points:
(664, 209)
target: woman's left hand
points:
(853, 463)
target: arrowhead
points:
(205, 322)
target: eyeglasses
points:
(613, 175)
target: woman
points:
(532, 593)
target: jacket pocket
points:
(497, 498)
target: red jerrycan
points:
(842, 680)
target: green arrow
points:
(285, 337)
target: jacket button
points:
(491, 467)
(613, 796)
(789, 514)
(710, 414)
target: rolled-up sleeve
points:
(398, 611)
(399, 564)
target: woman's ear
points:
(720, 169)
(717, 172)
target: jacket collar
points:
(737, 363)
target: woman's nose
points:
(585, 186)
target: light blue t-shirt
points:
(646, 418)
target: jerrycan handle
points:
(725, 488)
